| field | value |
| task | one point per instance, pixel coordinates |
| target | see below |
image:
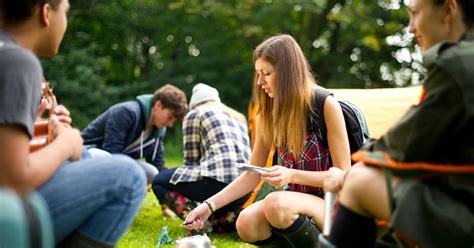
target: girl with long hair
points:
(284, 88)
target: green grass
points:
(149, 222)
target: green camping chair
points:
(386, 236)
(24, 221)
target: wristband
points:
(211, 205)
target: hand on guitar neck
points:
(43, 133)
(60, 112)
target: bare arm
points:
(242, 185)
(248, 180)
(23, 171)
(337, 135)
(338, 147)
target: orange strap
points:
(254, 194)
(383, 159)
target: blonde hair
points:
(284, 117)
(234, 114)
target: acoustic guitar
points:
(43, 133)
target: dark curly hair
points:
(15, 11)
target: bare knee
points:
(245, 226)
(241, 222)
(278, 211)
(358, 179)
(357, 184)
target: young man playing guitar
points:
(92, 201)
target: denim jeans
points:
(99, 197)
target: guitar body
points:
(43, 135)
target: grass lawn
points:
(149, 222)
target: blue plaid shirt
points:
(213, 144)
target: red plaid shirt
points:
(314, 157)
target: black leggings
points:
(196, 191)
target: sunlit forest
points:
(115, 50)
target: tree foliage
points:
(115, 50)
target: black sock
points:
(350, 229)
(294, 226)
(301, 233)
(275, 240)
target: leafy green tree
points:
(115, 50)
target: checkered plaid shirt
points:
(213, 144)
(314, 157)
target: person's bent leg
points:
(362, 200)
(274, 241)
(161, 185)
(350, 229)
(97, 197)
(253, 227)
(301, 233)
(295, 222)
(184, 196)
(170, 201)
(197, 191)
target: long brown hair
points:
(284, 117)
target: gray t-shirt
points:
(20, 84)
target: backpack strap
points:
(317, 122)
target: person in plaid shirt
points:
(284, 88)
(215, 139)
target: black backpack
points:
(356, 125)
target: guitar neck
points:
(49, 97)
